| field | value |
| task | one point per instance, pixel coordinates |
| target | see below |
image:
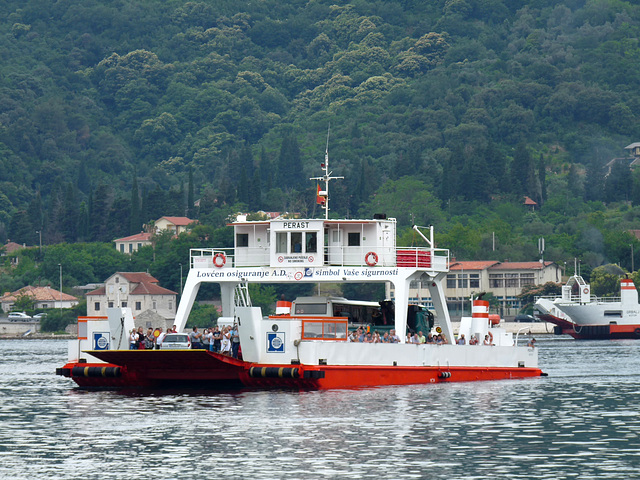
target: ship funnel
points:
(628, 292)
(283, 307)
(480, 309)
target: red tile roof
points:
(39, 294)
(520, 266)
(528, 201)
(473, 265)
(178, 221)
(145, 284)
(12, 247)
(141, 237)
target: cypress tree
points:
(135, 223)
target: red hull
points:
(155, 369)
(202, 369)
(592, 332)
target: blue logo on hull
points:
(275, 342)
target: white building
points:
(136, 290)
(504, 280)
(43, 297)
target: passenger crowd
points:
(225, 341)
(138, 340)
(359, 335)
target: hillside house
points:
(136, 290)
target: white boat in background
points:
(583, 316)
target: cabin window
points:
(281, 242)
(336, 236)
(354, 239)
(242, 239)
(324, 330)
(311, 242)
(296, 242)
(311, 308)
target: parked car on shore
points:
(40, 316)
(18, 317)
(522, 317)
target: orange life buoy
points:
(371, 258)
(586, 290)
(219, 259)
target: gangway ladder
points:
(241, 297)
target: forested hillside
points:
(114, 113)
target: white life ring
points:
(586, 290)
(371, 258)
(219, 259)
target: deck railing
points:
(412, 257)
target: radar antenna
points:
(322, 196)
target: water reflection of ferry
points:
(583, 316)
(301, 350)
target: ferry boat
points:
(584, 316)
(306, 345)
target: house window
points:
(462, 280)
(496, 280)
(451, 281)
(139, 245)
(170, 305)
(242, 240)
(124, 304)
(354, 239)
(110, 305)
(527, 279)
(122, 248)
(117, 279)
(45, 305)
(474, 280)
(511, 279)
(155, 307)
(130, 247)
(96, 306)
(138, 305)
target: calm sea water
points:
(582, 421)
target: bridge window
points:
(242, 239)
(296, 242)
(281, 242)
(312, 242)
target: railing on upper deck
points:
(410, 257)
(577, 298)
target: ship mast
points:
(323, 195)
